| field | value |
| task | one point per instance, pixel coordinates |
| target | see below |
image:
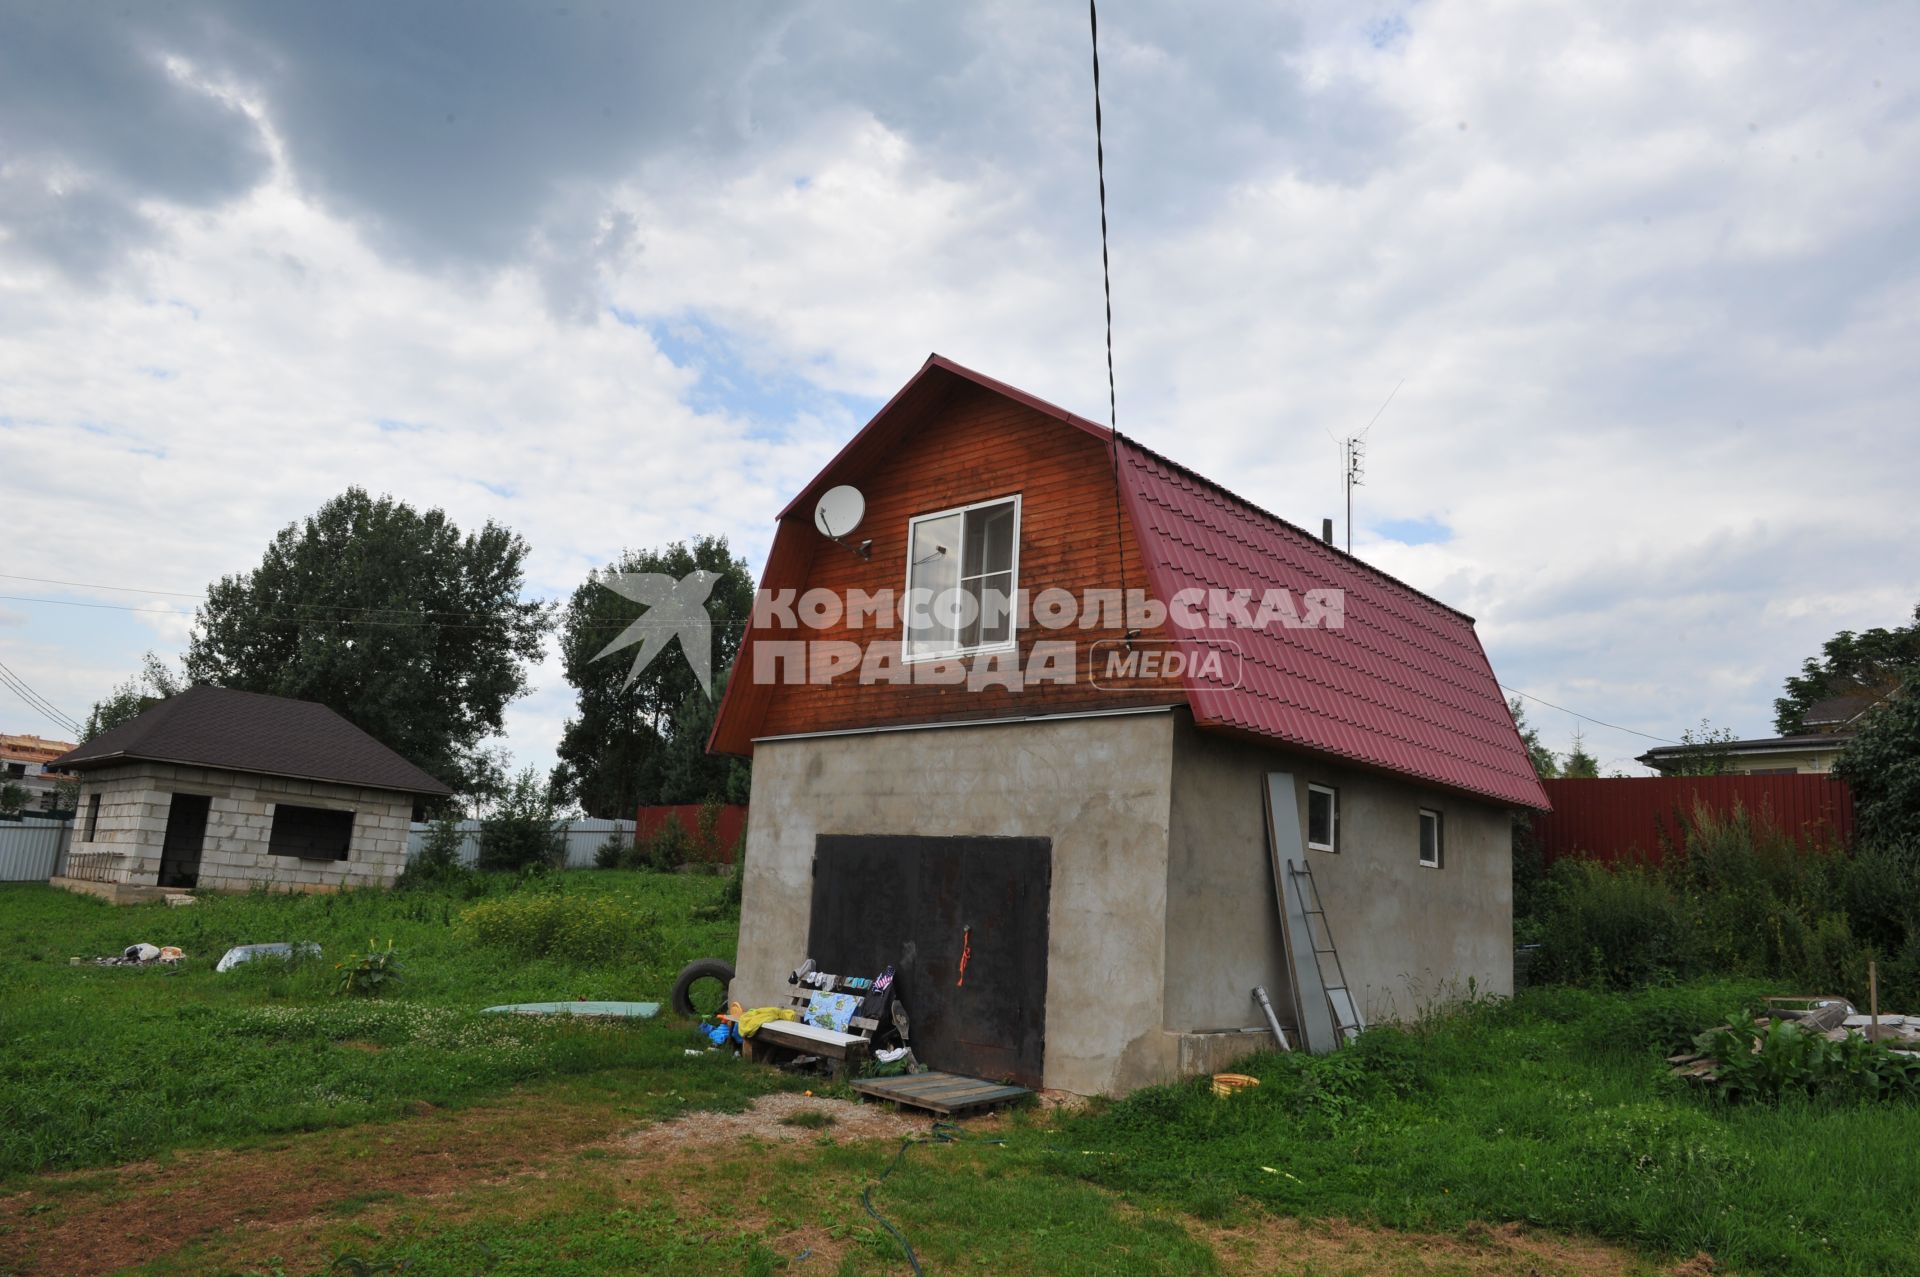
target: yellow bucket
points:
(1225, 1084)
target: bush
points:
(1736, 897)
(438, 864)
(706, 839)
(581, 929)
(615, 853)
(1609, 927)
(521, 832)
(669, 848)
(1882, 765)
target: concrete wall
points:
(1408, 936)
(1223, 925)
(1163, 914)
(1098, 787)
(135, 799)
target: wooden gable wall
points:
(977, 446)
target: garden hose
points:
(941, 1132)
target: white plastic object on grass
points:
(248, 952)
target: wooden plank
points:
(943, 1093)
(941, 1084)
(933, 1077)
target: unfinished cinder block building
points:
(228, 790)
(1083, 844)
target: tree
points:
(1580, 765)
(1704, 752)
(521, 832)
(154, 683)
(1871, 661)
(1545, 765)
(644, 743)
(1881, 764)
(688, 773)
(13, 799)
(411, 631)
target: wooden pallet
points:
(944, 1093)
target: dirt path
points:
(89, 1222)
(285, 1205)
(1336, 1248)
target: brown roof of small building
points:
(252, 732)
(1840, 711)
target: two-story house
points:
(1018, 734)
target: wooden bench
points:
(845, 1052)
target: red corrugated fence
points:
(733, 822)
(1638, 817)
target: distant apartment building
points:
(23, 762)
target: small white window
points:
(962, 570)
(1323, 818)
(1432, 839)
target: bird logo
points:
(675, 609)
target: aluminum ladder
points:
(1346, 1013)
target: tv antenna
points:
(1353, 463)
(1353, 458)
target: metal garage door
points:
(920, 905)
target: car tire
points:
(691, 974)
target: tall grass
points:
(103, 1064)
(1735, 896)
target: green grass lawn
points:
(106, 1064)
(1551, 1111)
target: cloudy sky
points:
(1647, 277)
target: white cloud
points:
(1648, 278)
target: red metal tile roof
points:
(1403, 685)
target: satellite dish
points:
(839, 511)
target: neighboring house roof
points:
(1805, 744)
(1840, 711)
(252, 732)
(1404, 688)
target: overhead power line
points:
(407, 620)
(89, 585)
(40, 704)
(1588, 718)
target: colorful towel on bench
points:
(831, 1010)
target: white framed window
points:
(963, 566)
(1323, 818)
(1432, 838)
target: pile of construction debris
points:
(134, 955)
(1833, 1018)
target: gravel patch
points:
(762, 1121)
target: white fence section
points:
(30, 850)
(583, 839)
